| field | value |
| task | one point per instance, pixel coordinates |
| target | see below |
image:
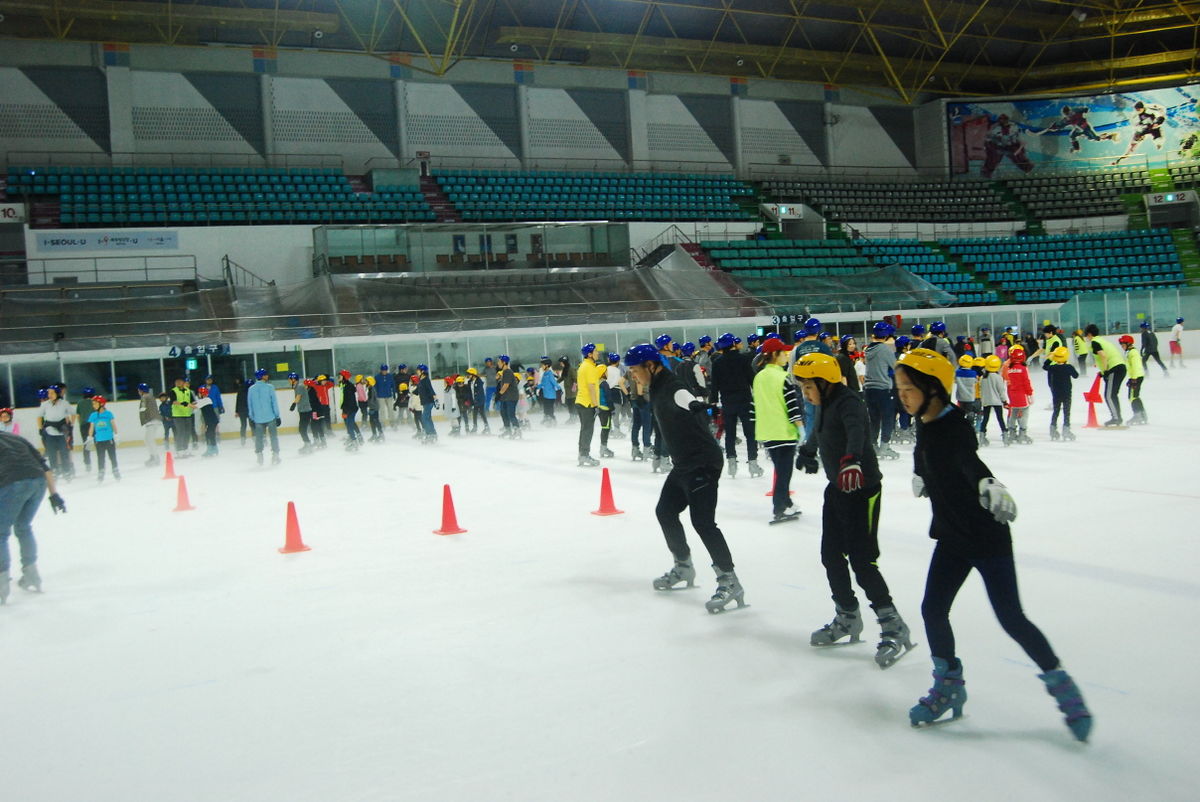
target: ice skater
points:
(151, 423)
(850, 515)
(692, 481)
(1150, 347)
(971, 516)
(1060, 373)
(1020, 397)
(778, 417)
(1148, 119)
(24, 480)
(1004, 139)
(1110, 361)
(1175, 344)
(102, 428)
(1136, 371)
(264, 415)
(993, 395)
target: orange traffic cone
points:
(169, 472)
(771, 492)
(449, 520)
(292, 541)
(607, 507)
(181, 497)
(1093, 398)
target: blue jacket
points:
(548, 385)
(385, 385)
(214, 392)
(426, 392)
(262, 404)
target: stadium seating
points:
(785, 257)
(1052, 269)
(1079, 194)
(898, 201)
(922, 261)
(95, 196)
(1186, 176)
(485, 195)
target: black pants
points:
(1113, 379)
(605, 416)
(243, 422)
(783, 457)
(732, 413)
(548, 409)
(983, 419)
(587, 425)
(850, 539)
(210, 435)
(1135, 397)
(881, 407)
(1081, 361)
(1146, 357)
(642, 421)
(695, 491)
(106, 448)
(85, 429)
(305, 421)
(478, 413)
(183, 432)
(947, 573)
(1063, 403)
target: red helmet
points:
(345, 374)
(202, 392)
(1126, 339)
(1016, 354)
(7, 410)
(99, 399)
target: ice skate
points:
(788, 513)
(1070, 701)
(1138, 419)
(1067, 434)
(30, 579)
(116, 474)
(1054, 435)
(731, 467)
(4, 586)
(606, 453)
(754, 468)
(275, 459)
(259, 455)
(729, 589)
(1007, 438)
(99, 477)
(587, 461)
(638, 456)
(682, 571)
(845, 622)
(949, 692)
(983, 440)
(894, 640)
(887, 452)
(150, 463)
(305, 449)
(1114, 423)
(1024, 439)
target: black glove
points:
(807, 462)
(292, 408)
(57, 504)
(278, 422)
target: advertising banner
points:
(108, 241)
(1157, 128)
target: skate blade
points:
(886, 664)
(853, 640)
(675, 588)
(725, 608)
(928, 725)
(774, 521)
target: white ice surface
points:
(179, 656)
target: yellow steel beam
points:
(184, 15)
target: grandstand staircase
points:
(968, 270)
(1135, 208)
(439, 201)
(44, 213)
(1189, 256)
(1032, 224)
(697, 253)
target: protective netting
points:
(863, 290)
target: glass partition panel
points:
(29, 377)
(364, 359)
(448, 357)
(230, 372)
(132, 372)
(277, 364)
(526, 350)
(96, 375)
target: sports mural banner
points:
(108, 241)
(1155, 128)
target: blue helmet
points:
(640, 354)
(938, 327)
(823, 335)
(902, 341)
(704, 340)
(918, 330)
(772, 336)
(586, 350)
(296, 376)
(737, 340)
(726, 340)
(798, 334)
(43, 394)
(210, 376)
(261, 373)
(1178, 320)
(845, 338)
(87, 392)
(401, 367)
(143, 388)
(423, 368)
(248, 382)
(613, 356)
(503, 358)
(1145, 324)
(688, 349)
(812, 326)
(752, 338)
(662, 341)
(382, 368)
(883, 330)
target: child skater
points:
(971, 516)
(966, 388)
(1059, 374)
(850, 516)
(7, 424)
(992, 395)
(1020, 396)
(777, 414)
(208, 413)
(1137, 374)
(103, 431)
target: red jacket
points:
(1019, 388)
(322, 389)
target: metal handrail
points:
(110, 265)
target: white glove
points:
(994, 497)
(918, 485)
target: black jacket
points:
(241, 402)
(425, 392)
(946, 458)
(1059, 378)
(349, 400)
(687, 438)
(843, 429)
(1149, 342)
(846, 363)
(732, 378)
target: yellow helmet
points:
(992, 363)
(816, 365)
(403, 386)
(978, 362)
(966, 361)
(930, 363)
(322, 377)
(461, 380)
(472, 371)
(358, 378)
(371, 381)
(1060, 355)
